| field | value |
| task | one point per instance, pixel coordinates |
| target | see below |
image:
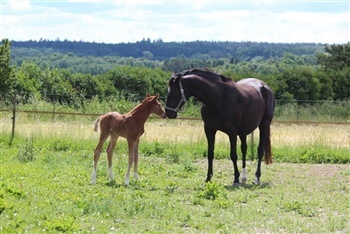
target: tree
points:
(28, 78)
(336, 64)
(7, 77)
(336, 57)
(297, 83)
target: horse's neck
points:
(206, 92)
(140, 112)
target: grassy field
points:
(45, 182)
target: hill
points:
(159, 50)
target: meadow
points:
(45, 181)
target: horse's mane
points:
(206, 73)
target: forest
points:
(69, 71)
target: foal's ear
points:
(148, 95)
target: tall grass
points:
(322, 111)
(316, 111)
(174, 138)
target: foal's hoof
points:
(236, 184)
(244, 180)
(126, 181)
(136, 176)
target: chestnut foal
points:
(129, 126)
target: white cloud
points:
(20, 5)
(121, 21)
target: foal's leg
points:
(110, 149)
(243, 139)
(136, 158)
(97, 153)
(131, 144)
(233, 155)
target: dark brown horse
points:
(129, 126)
(236, 109)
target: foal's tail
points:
(97, 121)
(268, 154)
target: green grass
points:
(45, 187)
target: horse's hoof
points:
(126, 181)
(244, 180)
(257, 182)
(236, 184)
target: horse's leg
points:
(264, 129)
(243, 139)
(97, 153)
(110, 150)
(233, 155)
(136, 158)
(131, 143)
(210, 133)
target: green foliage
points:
(162, 50)
(316, 111)
(336, 64)
(136, 82)
(63, 224)
(212, 191)
(7, 78)
(299, 207)
(73, 77)
(314, 154)
(26, 151)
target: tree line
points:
(159, 50)
(68, 76)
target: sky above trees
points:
(130, 21)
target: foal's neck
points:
(141, 111)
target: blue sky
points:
(112, 21)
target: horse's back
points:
(253, 82)
(265, 92)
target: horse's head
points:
(156, 106)
(176, 96)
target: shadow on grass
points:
(248, 186)
(133, 185)
(114, 184)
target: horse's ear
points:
(157, 95)
(148, 95)
(173, 74)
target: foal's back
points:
(114, 123)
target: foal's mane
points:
(140, 104)
(207, 73)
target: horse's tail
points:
(269, 99)
(268, 154)
(97, 121)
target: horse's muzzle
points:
(171, 114)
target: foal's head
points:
(156, 107)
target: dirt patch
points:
(323, 172)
